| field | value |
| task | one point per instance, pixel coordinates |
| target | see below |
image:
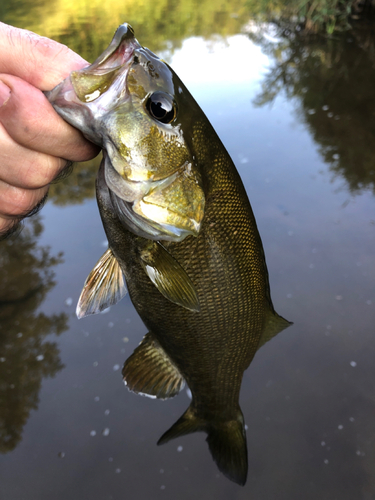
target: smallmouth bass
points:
(182, 238)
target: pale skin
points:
(35, 143)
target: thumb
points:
(36, 59)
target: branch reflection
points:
(334, 89)
(25, 359)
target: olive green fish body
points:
(181, 231)
(225, 262)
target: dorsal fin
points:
(150, 371)
(273, 325)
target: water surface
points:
(297, 118)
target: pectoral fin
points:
(168, 276)
(150, 371)
(104, 286)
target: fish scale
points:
(218, 303)
(181, 231)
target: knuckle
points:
(20, 201)
(17, 202)
(9, 227)
(39, 175)
(44, 47)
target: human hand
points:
(35, 143)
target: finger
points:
(36, 59)
(8, 227)
(24, 168)
(31, 121)
(11, 225)
(16, 203)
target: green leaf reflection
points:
(87, 27)
(25, 358)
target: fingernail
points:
(4, 93)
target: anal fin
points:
(150, 371)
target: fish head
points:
(129, 102)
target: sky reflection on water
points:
(308, 396)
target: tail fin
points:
(227, 443)
(226, 440)
(187, 424)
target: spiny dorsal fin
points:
(150, 371)
(273, 325)
(168, 276)
(104, 286)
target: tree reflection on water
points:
(26, 278)
(332, 80)
(160, 26)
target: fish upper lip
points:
(117, 60)
(123, 44)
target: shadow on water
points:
(25, 359)
(332, 81)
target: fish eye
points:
(161, 107)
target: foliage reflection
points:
(25, 359)
(330, 77)
(332, 80)
(161, 26)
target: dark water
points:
(298, 119)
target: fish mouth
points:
(120, 50)
(82, 98)
(109, 70)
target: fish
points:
(182, 240)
